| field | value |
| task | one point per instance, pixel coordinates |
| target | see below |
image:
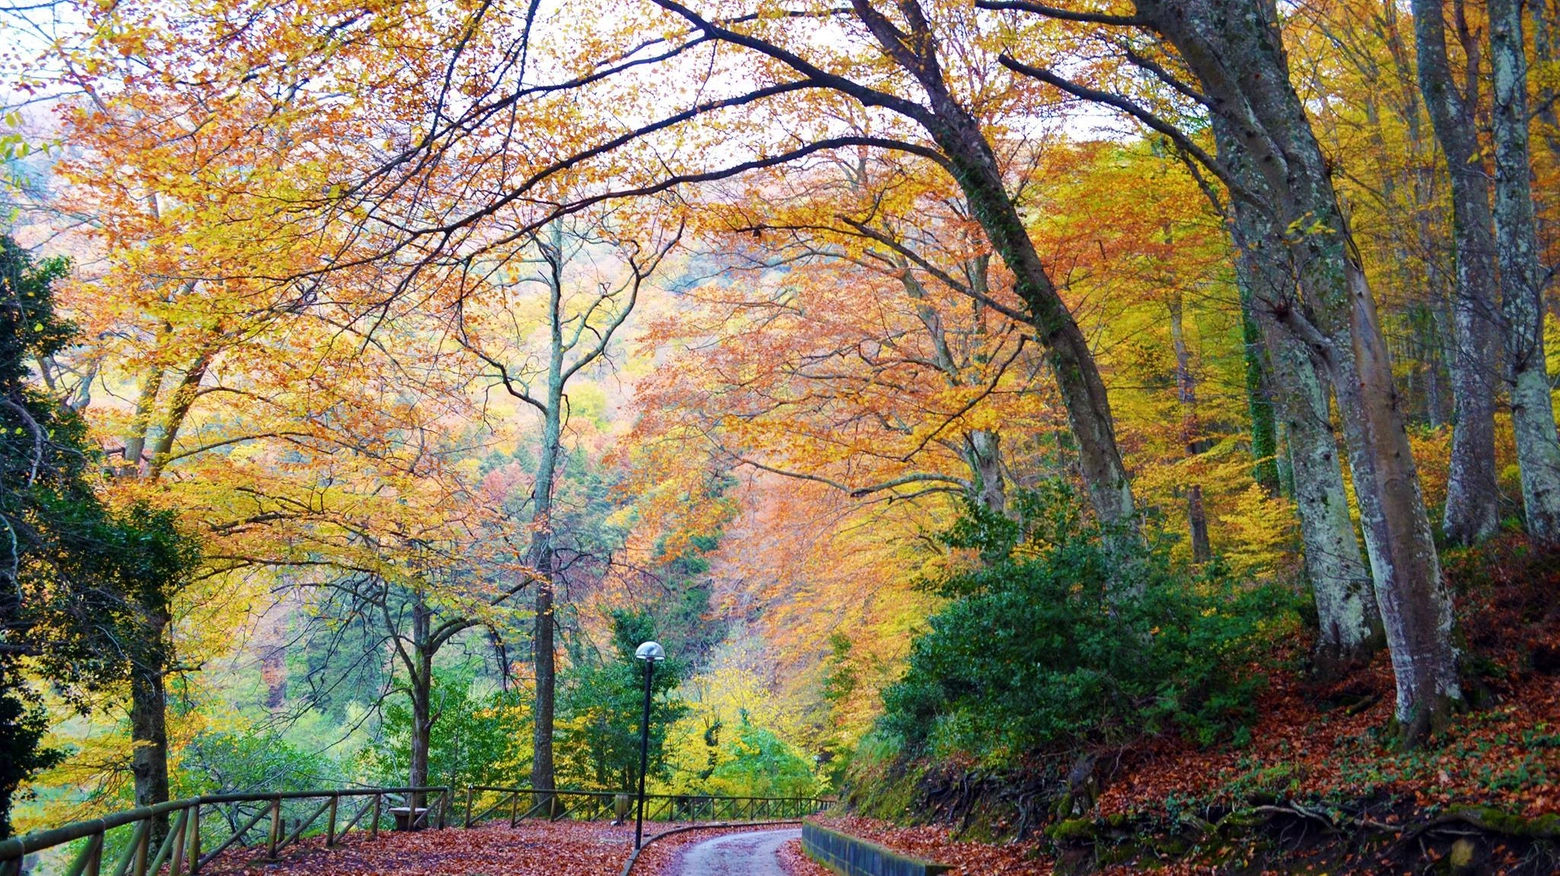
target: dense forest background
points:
(992, 388)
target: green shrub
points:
(1070, 636)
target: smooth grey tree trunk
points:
(983, 455)
(541, 554)
(575, 340)
(1235, 50)
(1522, 294)
(1186, 394)
(1472, 511)
(1347, 616)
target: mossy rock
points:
(1072, 830)
(1171, 846)
(1239, 822)
(1122, 853)
(891, 797)
(1500, 821)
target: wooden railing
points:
(483, 801)
(224, 820)
(201, 828)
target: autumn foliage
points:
(1048, 418)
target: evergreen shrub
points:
(1067, 636)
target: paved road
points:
(737, 854)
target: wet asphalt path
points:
(752, 853)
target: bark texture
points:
(1472, 496)
(543, 651)
(1347, 615)
(1522, 293)
(1235, 50)
(419, 665)
(1186, 394)
(149, 713)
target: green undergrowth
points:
(1321, 784)
(1069, 636)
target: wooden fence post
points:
(143, 849)
(192, 848)
(176, 863)
(330, 830)
(468, 807)
(94, 856)
(373, 828)
(276, 828)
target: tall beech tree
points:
(590, 277)
(1227, 58)
(1235, 50)
(1521, 277)
(87, 587)
(1472, 497)
(1347, 614)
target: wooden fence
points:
(179, 837)
(129, 839)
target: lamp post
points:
(652, 653)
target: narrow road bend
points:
(754, 853)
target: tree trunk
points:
(1532, 410)
(983, 455)
(422, 732)
(541, 554)
(1186, 394)
(1067, 350)
(1235, 50)
(420, 674)
(1472, 511)
(542, 775)
(140, 424)
(1546, 21)
(178, 409)
(1348, 620)
(982, 450)
(149, 738)
(1347, 616)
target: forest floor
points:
(534, 847)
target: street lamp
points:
(652, 653)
